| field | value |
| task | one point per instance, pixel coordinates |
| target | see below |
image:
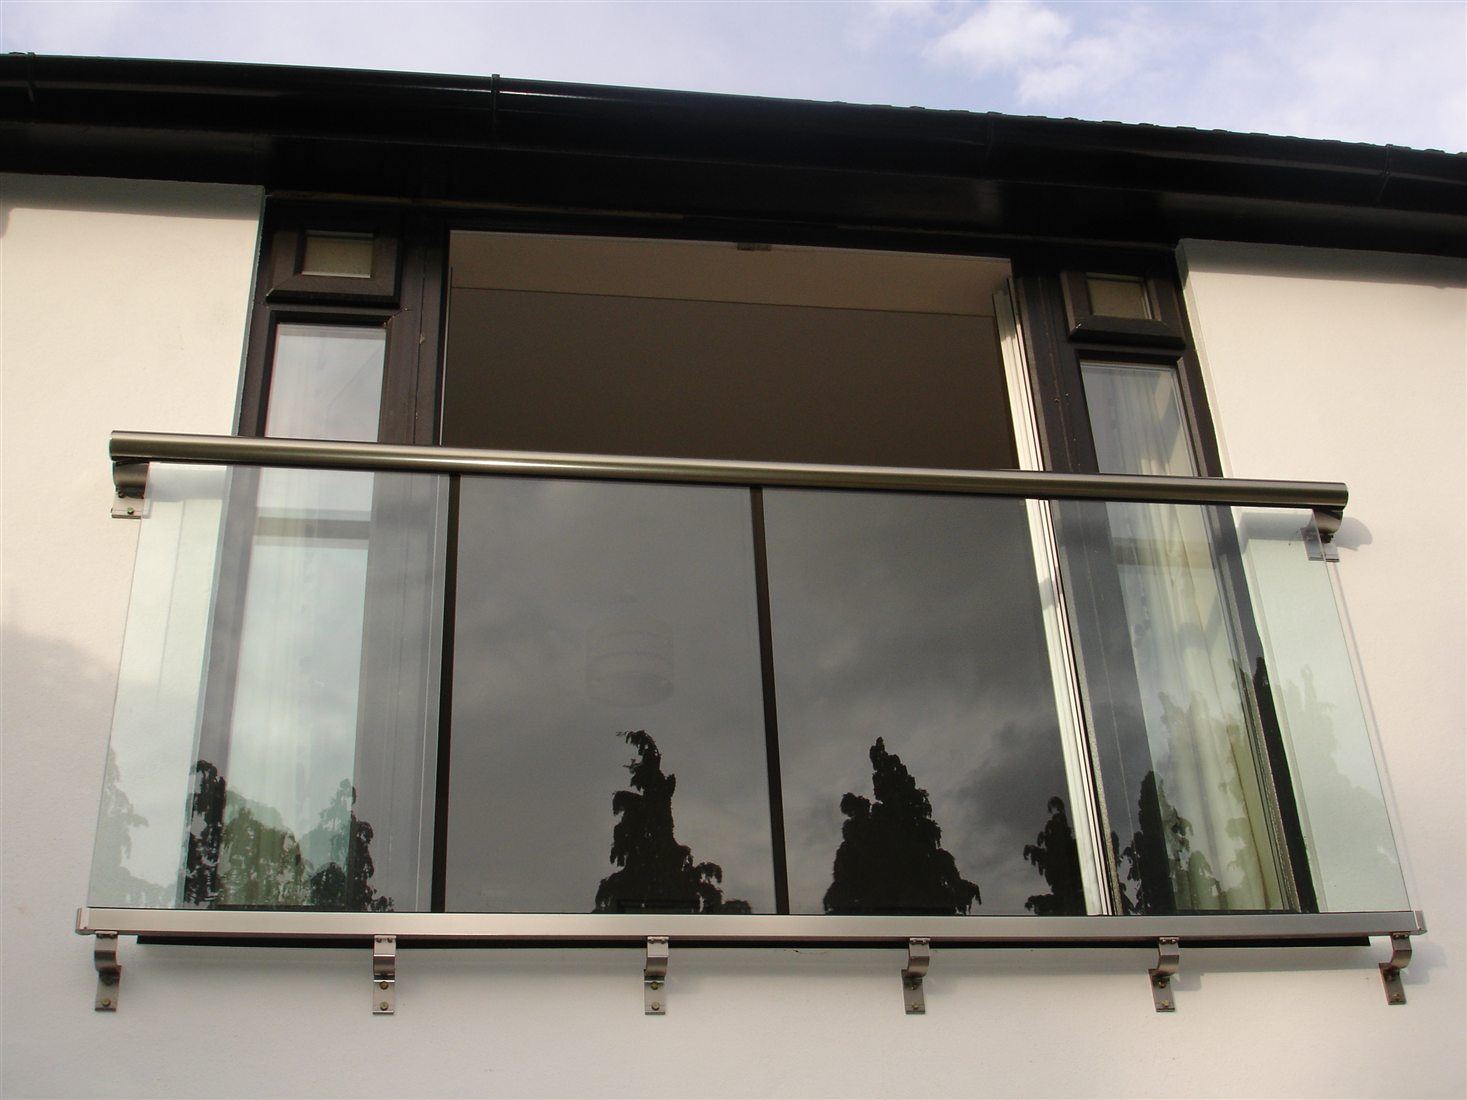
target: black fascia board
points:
(500, 142)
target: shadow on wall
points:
(58, 711)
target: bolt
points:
(914, 1007)
(106, 1002)
(381, 985)
(656, 985)
(132, 511)
(383, 1006)
(656, 1006)
(1396, 998)
(1160, 983)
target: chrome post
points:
(109, 971)
(1390, 972)
(1168, 960)
(384, 975)
(654, 977)
(919, 957)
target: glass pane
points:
(608, 747)
(1136, 418)
(1119, 296)
(344, 255)
(278, 696)
(1326, 726)
(922, 764)
(326, 382)
(143, 827)
(1169, 686)
(1194, 823)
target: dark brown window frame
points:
(1059, 337)
(1166, 328)
(410, 313)
(287, 246)
(1054, 311)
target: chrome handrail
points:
(129, 449)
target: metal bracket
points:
(1390, 972)
(1168, 960)
(384, 975)
(1326, 525)
(654, 977)
(130, 480)
(919, 957)
(109, 971)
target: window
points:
(700, 676)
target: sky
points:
(1382, 72)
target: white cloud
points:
(1051, 61)
(1004, 34)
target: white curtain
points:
(1193, 687)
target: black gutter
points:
(494, 142)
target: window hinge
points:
(384, 975)
(919, 957)
(109, 971)
(1168, 960)
(1390, 972)
(654, 977)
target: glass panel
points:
(344, 255)
(1119, 296)
(326, 382)
(922, 764)
(1137, 420)
(1197, 826)
(143, 826)
(277, 697)
(1168, 683)
(608, 745)
(1325, 721)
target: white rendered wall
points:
(1352, 366)
(124, 306)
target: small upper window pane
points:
(342, 255)
(326, 382)
(1119, 296)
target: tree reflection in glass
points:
(241, 855)
(891, 858)
(657, 874)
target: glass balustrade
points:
(416, 692)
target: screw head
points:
(381, 985)
(914, 1007)
(656, 1006)
(106, 1002)
(383, 1006)
(656, 985)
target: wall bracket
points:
(654, 977)
(130, 482)
(919, 958)
(1390, 972)
(109, 971)
(1327, 523)
(1168, 961)
(384, 975)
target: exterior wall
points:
(1353, 367)
(125, 307)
